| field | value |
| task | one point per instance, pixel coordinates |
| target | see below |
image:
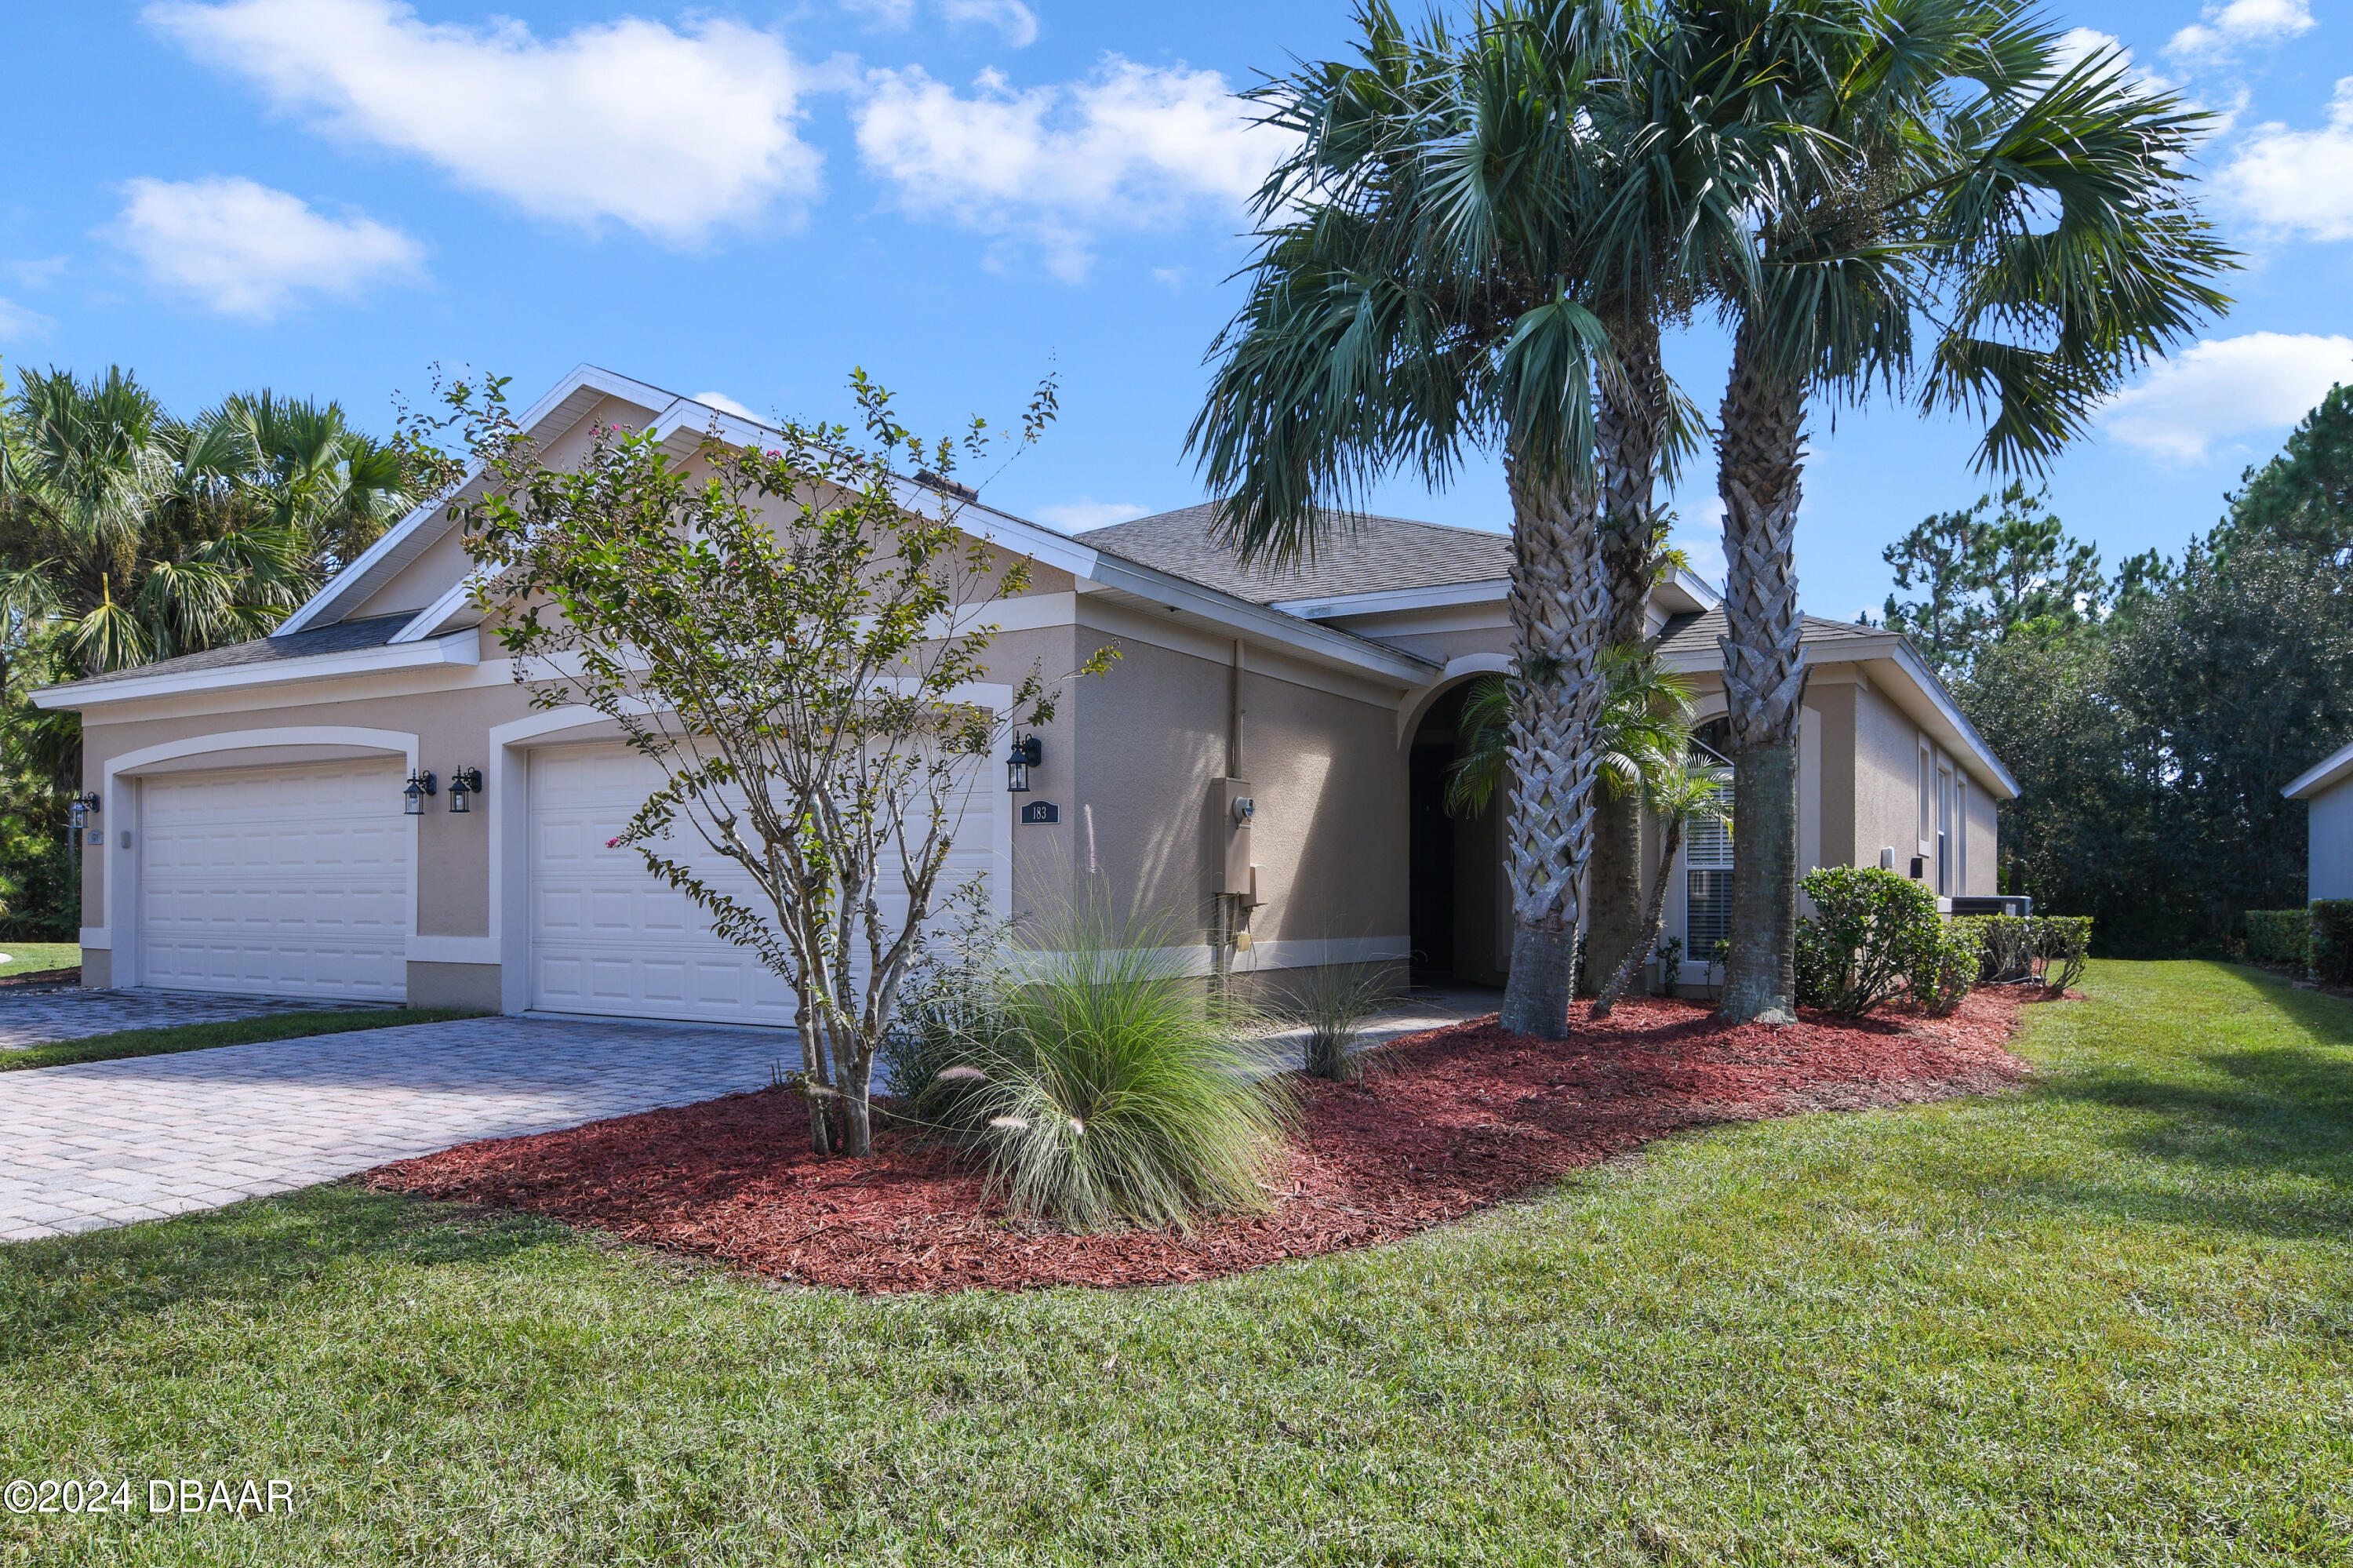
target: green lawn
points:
(23, 956)
(2108, 1319)
(205, 1036)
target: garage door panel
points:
(607, 936)
(294, 882)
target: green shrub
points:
(2278, 935)
(1111, 1089)
(2008, 947)
(948, 1006)
(2331, 952)
(1944, 965)
(1865, 939)
(2062, 943)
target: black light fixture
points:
(465, 783)
(420, 785)
(1027, 753)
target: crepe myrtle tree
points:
(792, 633)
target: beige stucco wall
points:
(1150, 741)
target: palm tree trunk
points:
(1556, 698)
(1761, 456)
(1630, 426)
(1654, 915)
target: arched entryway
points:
(1458, 901)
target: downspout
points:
(1227, 912)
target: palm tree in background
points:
(126, 535)
(1462, 252)
(1960, 177)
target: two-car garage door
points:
(606, 937)
(282, 882)
(294, 881)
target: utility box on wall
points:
(1234, 809)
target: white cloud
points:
(2223, 387)
(1012, 19)
(38, 274)
(2242, 24)
(247, 250)
(726, 405)
(1702, 545)
(2298, 181)
(17, 324)
(1132, 146)
(1078, 516)
(668, 132)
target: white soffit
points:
(2330, 769)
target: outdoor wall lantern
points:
(420, 785)
(465, 783)
(82, 805)
(1027, 753)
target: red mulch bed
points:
(1452, 1121)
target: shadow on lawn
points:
(55, 1294)
(2241, 1113)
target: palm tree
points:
(1646, 715)
(1678, 790)
(1457, 255)
(126, 537)
(1955, 175)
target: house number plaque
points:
(1040, 813)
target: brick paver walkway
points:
(106, 1143)
(40, 1015)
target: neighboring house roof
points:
(343, 636)
(2331, 770)
(1696, 635)
(1359, 554)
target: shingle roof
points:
(1697, 633)
(1360, 555)
(343, 636)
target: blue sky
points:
(327, 196)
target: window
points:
(1944, 832)
(1960, 832)
(1707, 887)
(1928, 782)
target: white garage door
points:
(292, 882)
(606, 937)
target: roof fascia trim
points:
(1332, 606)
(364, 572)
(464, 648)
(2328, 770)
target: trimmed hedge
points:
(2279, 935)
(1944, 965)
(2330, 953)
(1868, 932)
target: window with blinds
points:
(1707, 891)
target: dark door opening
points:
(1432, 864)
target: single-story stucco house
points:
(2326, 787)
(251, 835)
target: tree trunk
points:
(1630, 429)
(1760, 981)
(858, 1108)
(1654, 915)
(1556, 604)
(1761, 455)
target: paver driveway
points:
(106, 1143)
(41, 1015)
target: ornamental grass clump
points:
(1111, 1089)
